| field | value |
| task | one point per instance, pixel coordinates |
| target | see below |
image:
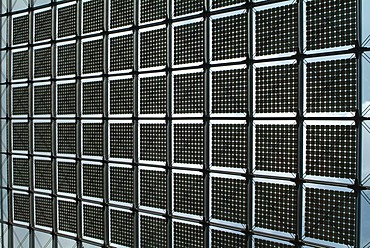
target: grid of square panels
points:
(153, 232)
(121, 13)
(43, 174)
(227, 239)
(67, 21)
(188, 193)
(42, 62)
(42, 99)
(153, 95)
(21, 25)
(66, 59)
(189, 101)
(121, 96)
(153, 142)
(21, 172)
(153, 54)
(122, 224)
(43, 25)
(153, 189)
(121, 184)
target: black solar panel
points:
(153, 232)
(92, 139)
(21, 207)
(21, 136)
(188, 235)
(93, 56)
(92, 99)
(67, 138)
(93, 180)
(67, 21)
(189, 101)
(43, 174)
(188, 193)
(153, 54)
(20, 65)
(121, 184)
(153, 95)
(43, 24)
(20, 29)
(20, 100)
(121, 13)
(153, 188)
(152, 10)
(21, 172)
(66, 94)
(122, 53)
(67, 213)
(153, 142)
(122, 227)
(187, 7)
(42, 137)
(92, 16)
(121, 140)
(121, 96)
(42, 62)
(42, 99)
(67, 182)
(228, 239)
(188, 143)
(67, 59)
(44, 208)
(93, 221)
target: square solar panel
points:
(67, 213)
(67, 17)
(93, 56)
(229, 145)
(92, 99)
(21, 172)
(20, 136)
(43, 25)
(21, 207)
(263, 243)
(276, 148)
(188, 7)
(43, 174)
(122, 228)
(153, 54)
(20, 29)
(67, 138)
(121, 184)
(229, 37)
(66, 59)
(277, 89)
(189, 101)
(225, 3)
(152, 232)
(331, 151)
(153, 95)
(42, 137)
(42, 62)
(93, 217)
(42, 99)
(152, 10)
(333, 23)
(93, 180)
(228, 239)
(20, 65)
(66, 94)
(188, 235)
(92, 16)
(121, 96)
(122, 53)
(153, 189)
(121, 140)
(189, 47)
(277, 30)
(67, 177)
(153, 142)
(188, 193)
(121, 13)
(92, 139)
(188, 143)
(330, 215)
(331, 86)
(44, 213)
(229, 91)
(275, 207)
(233, 208)
(20, 100)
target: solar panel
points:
(43, 25)
(122, 53)
(187, 7)
(67, 177)
(20, 136)
(21, 172)
(122, 227)
(263, 243)
(67, 138)
(67, 213)
(228, 239)
(92, 99)
(66, 94)
(188, 193)
(93, 56)
(20, 29)
(20, 100)
(152, 10)
(153, 232)
(153, 95)
(42, 99)
(44, 216)
(121, 96)
(92, 16)
(20, 65)
(43, 62)
(43, 174)
(93, 180)
(121, 13)
(121, 140)
(153, 54)
(188, 143)
(153, 142)
(121, 184)
(42, 137)
(67, 59)
(92, 139)
(153, 188)
(21, 207)
(225, 3)
(93, 221)
(189, 101)
(67, 17)
(188, 235)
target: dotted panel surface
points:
(43, 25)
(93, 180)
(121, 184)
(42, 137)
(67, 138)
(153, 188)
(188, 7)
(189, 43)
(153, 95)
(43, 177)
(67, 212)
(92, 139)
(331, 86)
(121, 140)
(330, 215)
(276, 148)
(188, 143)
(44, 208)
(330, 23)
(20, 101)
(277, 89)
(275, 207)
(20, 65)
(262, 243)
(331, 151)
(122, 226)
(153, 54)
(186, 100)
(277, 30)
(43, 62)
(188, 193)
(225, 3)
(42, 99)
(121, 96)
(66, 60)
(93, 56)
(20, 172)
(233, 208)
(227, 239)
(93, 222)
(66, 98)
(122, 53)
(67, 177)
(153, 142)
(20, 136)
(229, 37)
(151, 10)
(229, 91)
(121, 13)
(21, 207)
(92, 98)
(20, 29)
(67, 17)
(152, 232)
(229, 145)
(187, 235)
(92, 16)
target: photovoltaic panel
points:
(20, 100)
(152, 10)
(66, 94)
(188, 235)
(93, 56)
(92, 98)
(42, 137)
(122, 224)
(225, 3)
(67, 213)
(67, 59)
(43, 25)
(67, 17)
(263, 243)
(92, 139)
(20, 29)
(153, 54)
(153, 189)
(20, 136)
(20, 65)
(21, 172)
(188, 193)
(153, 95)
(44, 207)
(93, 217)
(121, 184)
(92, 16)
(93, 180)
(152, 232)
(227, 239)
(188, 143)
(189, 101)
(121, 140)
(43, 174)
(122, 53)
(42, 62)
(42, 99)
(21, 207)
(67, 138)
(67, 177)
(121, 13)
(153, 142)
(188, 7)
(121, 96)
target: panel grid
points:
(153, 189)
(21, 172)
(42, 137)
(153, 54)
(66, 60)
(189, 101)
(121, 140)
(93, 221)
(93, 180)
(42, 99)
(20, 65)
(20, 29)
(187, 7)
(121, 13)
(43, 214)
(92, 139)
(227, 239)
(188, 193)
(43, 62)
(121, 96)
(121, 184)
(66, 94)
(21, 207)
(188, 235)
(152, 10)
(153, 232)
(92, 16)
(67, 181)
(122, 228)
(67, 21)
(67, 212)
(153, 142)
(122, 53)
(67, 138)
(153, 95)
(93, 56)
(43, 25)
(92, 99)
(20, 100)
(43, 177)
(20, 136)
(188, 143)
